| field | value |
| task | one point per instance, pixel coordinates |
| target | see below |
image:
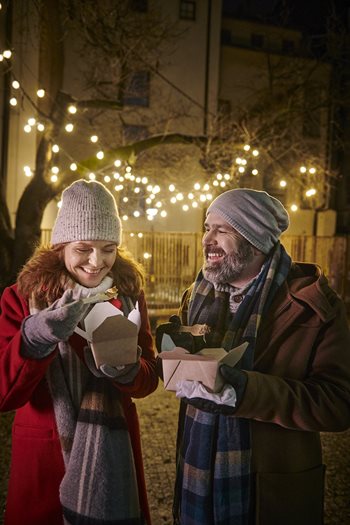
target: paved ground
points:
(158, 418)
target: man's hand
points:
(235, 378)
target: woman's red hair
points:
(44, 277)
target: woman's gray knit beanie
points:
(256, 215)
(88, 213)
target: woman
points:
(76, 452)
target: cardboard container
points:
(112, 336)
(179, 365)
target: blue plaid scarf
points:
(213, 483)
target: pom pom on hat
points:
(256, 215)
(88, 213)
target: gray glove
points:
(122, 374)
(43, 330)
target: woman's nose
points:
(95, 258)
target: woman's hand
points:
(122, 374)
(43, 330)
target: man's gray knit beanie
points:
(88, 213)
(256, 215)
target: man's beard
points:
(231, 266)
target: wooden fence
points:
(172, 260)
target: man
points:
(260, 461)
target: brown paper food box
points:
(114, 342)
(179, 365)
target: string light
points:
(311, 192)
(137, 188)
(27, 171)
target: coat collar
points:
(307, 284)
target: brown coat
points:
(300, 386)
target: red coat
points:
(37, 464)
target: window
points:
(224, 121)
(288, 46)
(225, 37)
(133, 133)
(312, 111)
(187, 10)
(257, 40)
(137, 89)
(139, 5)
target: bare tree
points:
(114, 44)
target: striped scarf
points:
(213, 482)
(100, 485)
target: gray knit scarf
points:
(100, 485)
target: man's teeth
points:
(214, 255)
